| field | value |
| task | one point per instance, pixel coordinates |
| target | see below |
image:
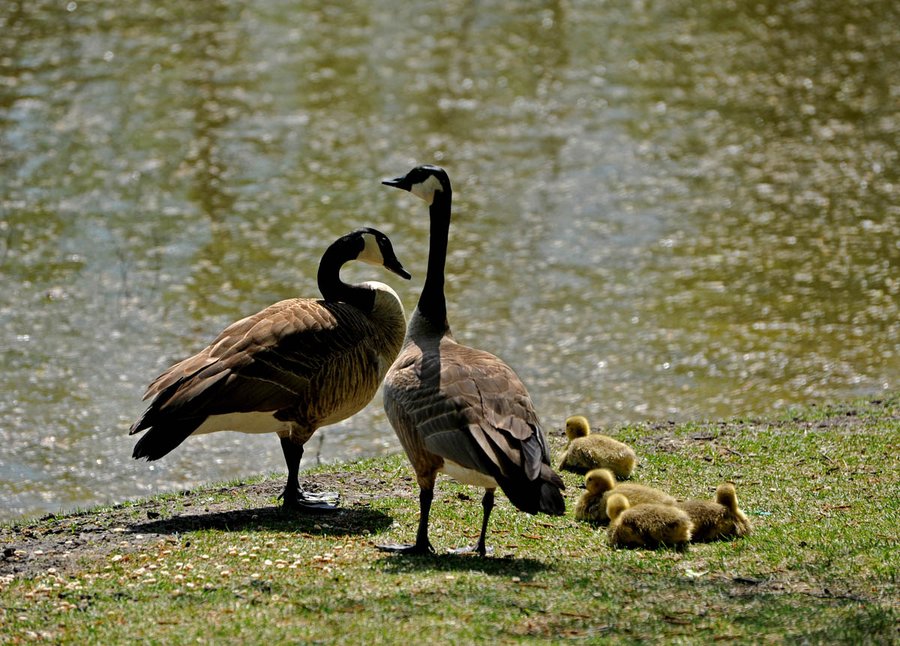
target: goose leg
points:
(422, 544)
(487, 504)
(293, 496)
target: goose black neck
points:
(331, 286)
(432, 303)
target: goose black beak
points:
(398, 182)
(394, 265)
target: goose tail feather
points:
(542, 495)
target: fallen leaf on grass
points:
(679, 621)
(576, 614)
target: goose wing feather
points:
(477, 414)
(263, 362)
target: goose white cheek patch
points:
(426, 190)
(371, 252)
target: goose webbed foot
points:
(487, 504)
(295, 499)
(415, 548)
(478, 549)
(422, 544)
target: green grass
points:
(222, 565)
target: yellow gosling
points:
(647, 525)
(717, 519)
(601, 484)
(586, 451)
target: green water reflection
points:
(663, 210)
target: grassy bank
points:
(222, 564)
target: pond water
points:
(663, 210)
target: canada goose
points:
(586, 450)
(457, 409)
(719, 518)
(646, 525)
(601, 484)
(297, 365)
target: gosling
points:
(601, 484)
(646, 525)
(586, 451)
(717, 519)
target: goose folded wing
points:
(262, 362)
(233, 340)
(487, 421)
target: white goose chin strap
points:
(426, 189)
(371, 252)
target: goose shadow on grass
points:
(508, 566)
(345, 521)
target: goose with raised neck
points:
(456, 409)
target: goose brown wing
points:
(261, 363)
(483, 417)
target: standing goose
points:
(457, 409)
(297, 365)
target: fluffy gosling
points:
(586, 451)
(717, 519)
(601, 484)
(646, 525)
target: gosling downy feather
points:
(601, 484)
(586, 450)
(295, 366)
(646, 525)
(717, 519)
(456, 409)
